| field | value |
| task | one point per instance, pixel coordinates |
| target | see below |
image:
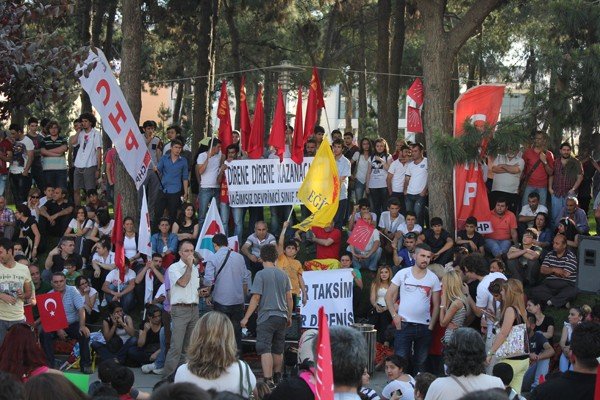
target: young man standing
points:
(37, 140)
(20, 166)
(415, 184)
(173, 172)
(53, 150)
(343, 167)
(88, 162)
(208, 165)
(565, 181)
(272, 296)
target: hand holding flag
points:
(361, 234)
(52, 312)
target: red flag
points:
(225, 131)
(244, 116)
(28, 310)
(255, 141)
(478, 105)
(324, 386)
(52, 311)
(298, 144)
(315, 102)
(361, 234)
(277, 135)
(415, 92)
(117, 240)
(414, 123)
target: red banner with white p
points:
(479, 105)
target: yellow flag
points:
(320, 190)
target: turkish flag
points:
(277, 136)
(324, 386)
(414, 123)
(52, 311)
(225, 132)
(28, 310)
(298, 143)
(415, 92)
(479, 105)
(244, 116)
(314, 104)
(361, 234)
(117, 240)
(255, 141)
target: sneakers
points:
(158, 371)
(148, 368)
(270, 383)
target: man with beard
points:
(565, 181)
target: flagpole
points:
(291, 211)
(328, 127)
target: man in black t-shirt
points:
(540, 353)
(469, 238)
(56, 214)
(439, 240)
(55, 262)
(577, 384)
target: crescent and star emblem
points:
(50, 301)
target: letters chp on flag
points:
(414, 103)
(52, 311)
(298, 143)
(324, 386)
(361, 234)
(225, 131)
(479, 105)
(245, 126)
(212, 225)
(314, 104)
(277, 135)
(320, 189)
(255, 141)
(144, 245)
(117, 240)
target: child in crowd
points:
(71, 272)
(364, 389)
(400, 383)
(287, 250)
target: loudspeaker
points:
(588, 275)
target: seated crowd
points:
(443, 303)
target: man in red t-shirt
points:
(327, 241)
(543, 160)
(6, 147)
(504, 225)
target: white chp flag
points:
(144, 246)
(211, 226)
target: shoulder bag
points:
(516, 343)
(248, 389)
(212, 287)
(525, 178)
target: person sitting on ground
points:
(469, 238)
(560, 268)
(90, 299)
(118, 333)
(368, 257)
(439, 240)
(71, 272)
(151, 277)
(422, 383)
(540, 353)
(365, 390)
(28, 232)
(165, 242)
(56, 214)
(578, 384)
(119, 290)
(389, 222)
(55, 262)
(254, 243)
(504, 225)
(497, 265)
(122, 381)
(576, 316)
(543, 323)
(545, 234)
(103, 261)
(410, 224)
(103, 226)
(530, 210)
(93, 203)
(465, 358)
(399, 382)
(80, 228)
(186, 226)
(363, 205)
(148, 346)
(572, 211)
(523, 259)
(566, 226)
(404, 257)
(328, 241)
(347, 263)
(39, 387)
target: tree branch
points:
(470, 22)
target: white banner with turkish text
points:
(100, 84)
(265, 182)
(331, 289)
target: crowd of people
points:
(444, 304)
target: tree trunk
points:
(362, 78)
(397, 51)
(384, 14)
(178, 102)
(234, 34)
(204, 60)
(84, 10)
(100, 8)
(110, 29)
(348, 84)
(131, 84)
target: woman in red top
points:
(21, 354)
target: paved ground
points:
(145, 382)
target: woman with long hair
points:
(360, 165)
(543, 323)
(33, 202)
(576, 316)
(513, 313)
(212, 358)
(21, 354)
(29, 233)
(380, 316)
(118, 332)
(186, 226)
(130, 239)
(454, 306)
(91, 304)
(103, 226)
(567, 227)
(80, 228)
(544, 240)
(376, 184)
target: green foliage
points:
(448, 149)
(509, 136)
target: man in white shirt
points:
(88, 162)
(185, 282)
(415, 184)
(529, 211)
(418, 291)
(120, 290)
(507, 169)
(397, 174)
(343, 166)
(208, 164)
(20, 165)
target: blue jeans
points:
(412, 343)
(127, 301)
(341, 214)
(238, 219)
(497, 247)
(416, 204)
(532, 376)
(160, 360)
(370, 262)
(359, 190)
(543, 192)
(558, 203)
(120, 355)
(204, 198)
(3, 179)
